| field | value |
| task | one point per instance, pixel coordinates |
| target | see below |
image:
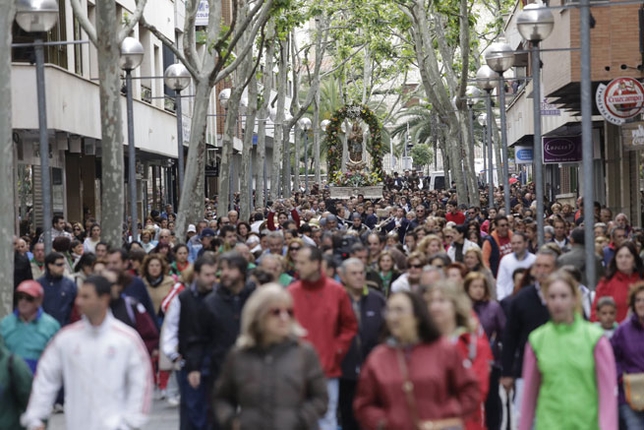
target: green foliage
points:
(422, 154)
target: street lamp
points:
(485, 78)
(177, 78)
(482, 120)
(473, 94)
(535, 23)
(305, 124)
(39, 16)
(224, 98)
(131, 58)
(500, 57)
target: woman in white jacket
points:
(103, 365)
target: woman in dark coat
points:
(271, 380)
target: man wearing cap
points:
(194, 241)
(460, 245)
(28, 329)
(207, 234)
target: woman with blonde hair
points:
(492, 318)
(430, 245)
(451, 310)
(568, 366)
(270, 359)
(473, 260)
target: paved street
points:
(163, 417)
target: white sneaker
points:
(174, 401)
(159, 394)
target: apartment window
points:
(78, 48)
(53, 54)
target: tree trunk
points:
(263, 115)
(279, 138)
(316, 138)
(470, 171)
(108, 51)
(7, 214)
(191, 204)
(246, 177)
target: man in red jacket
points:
(323, 308)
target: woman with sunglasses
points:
(294, 245)
(398, 390)
(270, 354)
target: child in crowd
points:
(606, 312)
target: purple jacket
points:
(492, 318)
(628, 346)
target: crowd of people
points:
(408, 312)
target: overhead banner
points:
(523, 155)
(562, 149)
(621, 99)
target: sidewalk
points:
(163, 417)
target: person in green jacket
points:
(568, 367)
(15, 387)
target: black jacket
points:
(219, 323)
(370, 324)
(526, 313)
(192, 305)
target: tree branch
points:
(136, 16)
(189, 31)
(84, 21)
(170, 44)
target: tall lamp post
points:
(472, 93)
(500, 57)
(131, 58)
(224, 97)
(535, 23)
(482, 120)
(177, 78)
(486, 81)
(305, 125)
(323, 125)
(39, 16)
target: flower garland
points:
(355, 111)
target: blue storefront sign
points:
(523, 154)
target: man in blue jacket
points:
(368, 306)
(60, 291)
(29, 329)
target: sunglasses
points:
(26, 297)
(294, 248)
(58, 264)
(277, 312)
(416, 266)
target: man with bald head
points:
(274, 264)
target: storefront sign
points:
(561, 149)
(633, 136)
(523, 154)
(621, 99)
(202, 14)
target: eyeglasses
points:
(58, 264)
(77, 229)
(415, 266)
(26, 297)
(278, 312)
(294, 248)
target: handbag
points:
(408, 388)
(634, 390)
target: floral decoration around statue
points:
(357, 173)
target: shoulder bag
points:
(408, 388)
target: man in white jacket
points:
(103, 365)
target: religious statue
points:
(355, 142)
